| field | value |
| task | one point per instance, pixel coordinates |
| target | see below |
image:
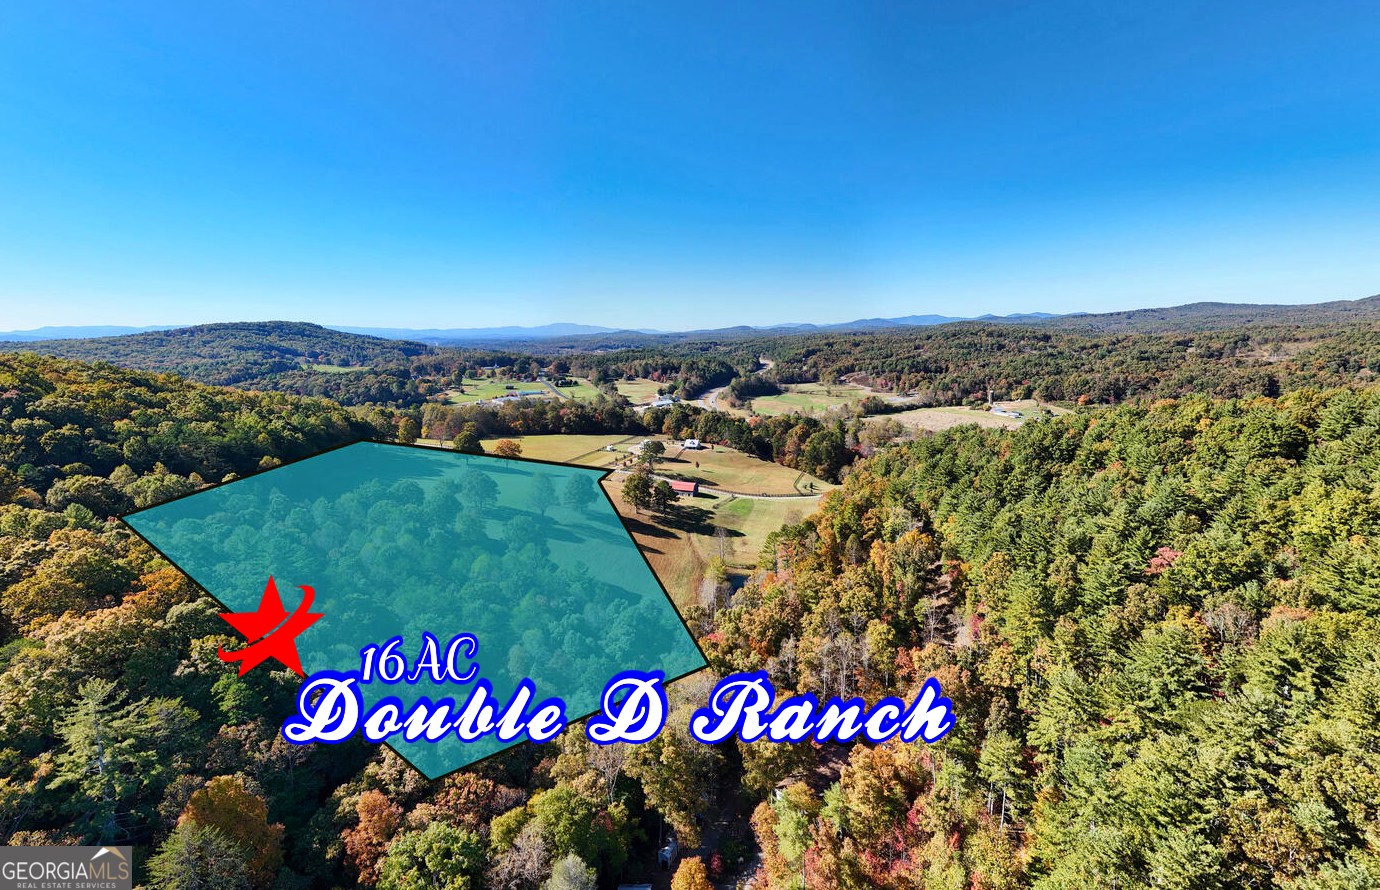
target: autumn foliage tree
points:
(226, 805)
(691, 875)
(508, 448)
(365, 843)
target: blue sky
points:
(680, 165)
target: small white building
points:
(667, 855)
(664, 401)
(692, 444)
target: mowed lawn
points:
(680, 547)
(803, 398)
(938, 419)
(1031, 407)
(639, 391)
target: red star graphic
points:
(261, 626)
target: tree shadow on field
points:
(694, 520)
(640, 526)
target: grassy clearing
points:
(680, 547)
(582, 389)
(734, 471)
(805, 398)
(719, 467)
(937, 419)
(1031, 407)
(639, 391)
(337, 369)
(587, 451)
(481, 389)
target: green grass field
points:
(485, 388)
(718, 468)
(582, 389)
(639, 391)
(804, 398)
(1031, 407)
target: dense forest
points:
(1158, 622)
(1161, 629)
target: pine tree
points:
(110, 752)
(196, 857)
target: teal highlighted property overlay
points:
(530, 558)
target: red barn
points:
(684, 488)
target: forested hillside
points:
(1161, 630)
(960, 362)
(275, 355)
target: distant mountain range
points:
(436, 336)
(1188, 317)
(458, 336)
(453, 336)
(73, 332)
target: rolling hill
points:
(249, 355)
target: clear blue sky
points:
(680, 165)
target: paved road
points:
(709, 400)
(551, 386)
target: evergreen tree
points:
(195, 857)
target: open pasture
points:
(681, 547)
(720, 467)
(640, 391)
(807, 398)
(337, 369)
(485, 388)
(938, 419)
(586, 450)
(580, 389)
